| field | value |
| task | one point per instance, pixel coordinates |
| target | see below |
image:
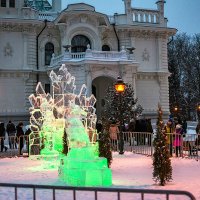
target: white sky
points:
(129, 170)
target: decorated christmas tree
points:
(117, 108)
(162, 171)
(130, 109)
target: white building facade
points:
(36, 38)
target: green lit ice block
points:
(80, 177)
(82, 167)
(84, 152)
(50, 158)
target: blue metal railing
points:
(143, 192)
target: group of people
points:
(176, 130)
(15, 136)
(137, 126)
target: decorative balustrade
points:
(50, 16)
(145, 16)
(91, 55)
(106, 55)
(77, 55)
(56, 60)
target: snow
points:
(129, 170)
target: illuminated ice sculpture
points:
(74, 115)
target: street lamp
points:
(176, 110)
(198, 111)
(120, 88)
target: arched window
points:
(49, 50)
(3, 3)
(11, 3)
(105, 48)
(79, 43)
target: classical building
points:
(36, 37)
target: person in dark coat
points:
(184, 126)
(143, 129)
(149, 130)
(99, 128)
(27, 133)
(2, 136)
(137, 131)
(20, 134)
(11, 130)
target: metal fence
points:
(187, 145)
(120, 193)
(14, 146)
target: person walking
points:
(27, 133)
(2, 136)
(20, 134)
(114, 131)
(169, 131)
(178, 141)
(11, 130)
(99, 128)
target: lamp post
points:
(120, 87)
(198, 112)
(176, 111)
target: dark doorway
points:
(105, 48)
(79, 43)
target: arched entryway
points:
(79, 43)
(99, 87)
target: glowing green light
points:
(82, 167)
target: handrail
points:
(98, 189)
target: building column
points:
(128, 11)
(57, 5)
(63, 36)
(31, 51)
(164, 92)
(160, 7)
(88, 79)
(161, 54)
(25, 50)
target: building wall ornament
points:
(83, 18)
(18, 27)
(8, 50)
(145, 55)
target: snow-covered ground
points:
(129, 170)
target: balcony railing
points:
(91, 55)
(50, 16)
(145, 16)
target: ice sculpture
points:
(75, 115)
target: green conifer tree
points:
(130, 108)
(112, 112)
(162, 171)
(104, 142)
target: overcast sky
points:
(183, 15)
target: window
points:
(11, 3)
(3, 3)
(79, 43)
(105, 48)
(47, 88)
(49, 50)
